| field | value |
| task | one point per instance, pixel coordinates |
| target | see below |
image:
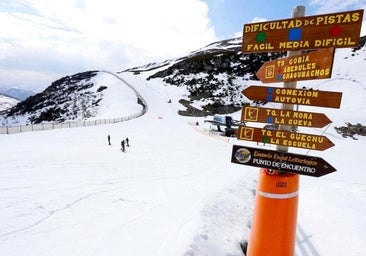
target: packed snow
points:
(174, 191)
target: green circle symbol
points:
(261, 37)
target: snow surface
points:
(174, 192)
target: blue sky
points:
(43, 40)
(228, 15)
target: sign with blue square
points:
(294, 34)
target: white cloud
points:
(258, 19)
(26, 79)
(70, 34)
(329, 6)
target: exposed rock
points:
(351, 130)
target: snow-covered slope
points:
(174, 192)
(7, 102)
(83, 96)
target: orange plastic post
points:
(274, 221)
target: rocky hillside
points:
(213, 76)
(69, 98)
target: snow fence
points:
(71, 124)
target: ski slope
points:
(174, 192)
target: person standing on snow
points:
(127, 142)
(109, 140)
(123, 146)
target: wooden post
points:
(273, 231)
(298, 11)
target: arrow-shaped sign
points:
(284, 138)
(307, 66)
(294, 96)
(281, 161)
(284, 117)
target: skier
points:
(127, 142)
(109, 140)
(123, 146)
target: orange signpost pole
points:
(273, 230)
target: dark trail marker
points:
(281, 161)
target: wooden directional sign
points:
(284, 138)
(312, 32)
(294, 96)
(287, 162)
(284, 117)
(308, 66)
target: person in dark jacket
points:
(127, 142)
(123, 145)
(109, 140)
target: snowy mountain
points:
(77, 97)
(17, 93)
(213, 77)
(7, 102)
